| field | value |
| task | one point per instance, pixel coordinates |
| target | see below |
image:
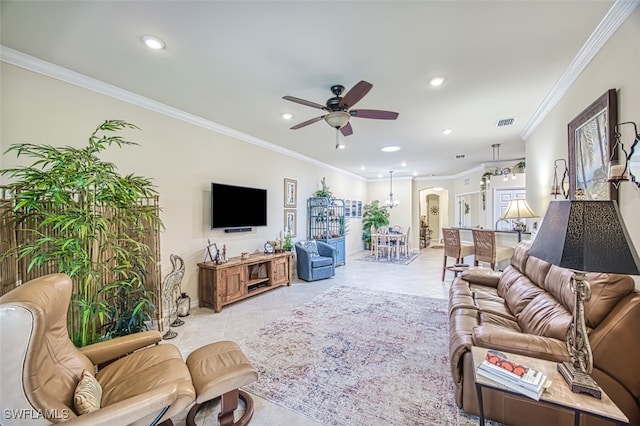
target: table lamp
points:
(584, 236)
(518, 209)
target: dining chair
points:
(374, 239)
(455, 248)
(486, 250)
(384, 243)
(403, 244)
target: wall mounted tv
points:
(237, 206)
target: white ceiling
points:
(231, 62)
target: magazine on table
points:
(516, 377)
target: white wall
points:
(181, 158)
(617, 65)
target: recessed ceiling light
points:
(437, 81)
(362, 168)
(287, 116)
(379, 175)
(447, 131)
(415, 173)
(391, 148)
(153, 42)
(403, 164)
(341, 146)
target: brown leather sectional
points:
(527, 309)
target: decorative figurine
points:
(171, 287)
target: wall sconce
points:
(560, 188)
(620, 170)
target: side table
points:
(560, 395)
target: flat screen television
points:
(237, 206)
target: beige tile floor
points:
(242, 319)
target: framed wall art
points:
(290, 221)
(591, 141)
(290, 193)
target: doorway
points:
(433, 214)
(467, 214)
(501, 199)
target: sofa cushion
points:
(537, 270)
(545, 316)
(489, 318)
(504, 339)
(508, 277)
(606, 291)
(520, 294)
(520, 255)
(494, 306)
(319, 261)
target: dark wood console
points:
(237, 279)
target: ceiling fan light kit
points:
(337, 119)
(338, 108)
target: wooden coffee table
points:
(559, 393)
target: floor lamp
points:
(584, 236)
(518, 209)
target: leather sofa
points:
(527, 310)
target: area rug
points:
(359, 357)
(383, 259)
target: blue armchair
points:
(315, 260)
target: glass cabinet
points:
(327, 223)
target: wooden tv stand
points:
(237, 279)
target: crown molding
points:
(31, 63)
(618, 13)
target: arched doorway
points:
(433, 214)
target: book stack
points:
(515, 377)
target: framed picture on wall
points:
(290, 221)
(290, 193)
(591, 141)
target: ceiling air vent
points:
(505, 122)
(459, 156)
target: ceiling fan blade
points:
(374, 113)
(306, 123)
(356, 93)
(346, 130)
(304, 102)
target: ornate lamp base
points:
(578, 381)
(177, 322)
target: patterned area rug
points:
(402, 261)
(359, 357)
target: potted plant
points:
(373, 215)
(324, 192)
(521, 166)
(288, 241)
(77, 214)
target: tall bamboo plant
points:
(75, 212)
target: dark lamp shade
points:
(587, 236)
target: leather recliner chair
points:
(40, 367)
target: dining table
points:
(397, 237)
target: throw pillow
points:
(88, 394)
(312, 247)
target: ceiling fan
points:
(339, 111)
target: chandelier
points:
(498, 171)
(391, 203)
